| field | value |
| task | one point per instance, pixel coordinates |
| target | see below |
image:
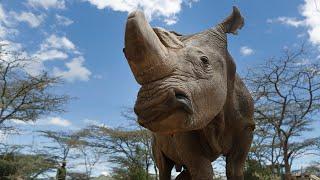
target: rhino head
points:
(185, 80)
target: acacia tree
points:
(125, 149)
(90, 153)
(286, 92)
(23, 96)
(63, 143)
(145, 139)
(15, 164)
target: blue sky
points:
(82, 41)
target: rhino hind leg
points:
(235, 160)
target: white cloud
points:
(50, 55)
(311, 20)
(94, 122)
(75, 71)
(2, 13)
(152, 8)
(171, 21)
(60, 48)
(246, 51)
(11, 46)
(105, 173)
(47, 4)
(58, 121)
(4, 19)
(57, 42)
(52, 48)
(3, 136)
(7, 32)
(287, 21)
(28, 17)
(6, 29)
(64, 21)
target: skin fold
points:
(191, 97)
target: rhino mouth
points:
(176, 100)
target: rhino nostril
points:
(181, 96)
(184, 101)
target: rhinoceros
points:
(191, 97)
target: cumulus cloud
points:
(64, 21)
(47, 4)
(94, 122)
(311, 20)
(58, 121)
(2, 13)
(59, 42)
(171, 21)
(6, 29)
(287, 21)
(10, 46)
(28, 17)
(50, 55)
(55, 121)
(246, 51)
(105, 173)
(60, 48)
(3, 136)
(53, 47)
(166, 9)
(4, 19)
(75, 71)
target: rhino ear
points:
(168, 39)
(234, 22)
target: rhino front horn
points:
(144, 51)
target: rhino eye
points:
(204, 60)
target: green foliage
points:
(133, 168)
(23, 96)
(7, 166)
(24, 166)
(130, 173)
(130, 151)
(256, 171)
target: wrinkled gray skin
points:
(191, 97)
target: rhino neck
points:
(212, 136)
(218, 132)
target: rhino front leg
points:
(201, 170)
(235, 160)
(164, 165)
(193, 155)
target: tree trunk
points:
(287, 168)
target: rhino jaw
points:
(146, 55)
(172, 110)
